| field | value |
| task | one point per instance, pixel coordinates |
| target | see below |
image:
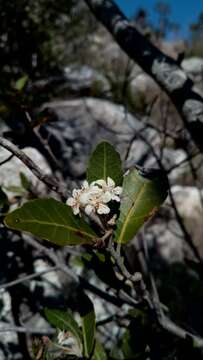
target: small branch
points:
(4, 327)
(164, 321)
(78, 279)
(53, 257)
(176, 330)
(107, 320)
(189, 157)
(136, 278)
(27, 277)
(100, 241)
(120, 263)
(162, 68)
(6, 160)
(48, 180)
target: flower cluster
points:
(68, 343)
(94, 197)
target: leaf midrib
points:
(104, 168)
(130, 212)
(70, 228)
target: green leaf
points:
(99, 352)
(105, 162)
(24, 181)
(51, 220)
(18, 190)
(64, 320)
(21, 82)
(88, 330)
(141, 198)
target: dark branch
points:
(47, 179)
(163, 69)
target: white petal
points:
(85, 184)
(89, 209)
(95, 191)
(118, 190)
(106, 197)
(101, 183)
(76, 210)
(103, 209)
(61, 336)
(92, 183)
(84, 198)
(110, 182)
(71, 201)
(115, 198)
(76, 192)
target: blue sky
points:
(182, 12)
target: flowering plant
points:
(103, 213)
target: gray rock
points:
(189, 203)
(143, 90)
(182, 171)
(83, 123)
(79, 78)
(9, 337)
(165, 238)
(194, 67)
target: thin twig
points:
(164, 321)
(188, 158)
(6, 160)
(4, 327)
(78, 279)
(27, 277)
(53, 257)
(120, 263)
(48, 180)
(176, 330)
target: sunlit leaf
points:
(18, 190)
(51, 220)
(105, 162)
(142, 196)
(21, 82)
(24, 181)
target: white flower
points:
(94, 197)
(68, 343)
(80, 198)
(74, 201)
(96, 201)
(109, 187)
(97, 206)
